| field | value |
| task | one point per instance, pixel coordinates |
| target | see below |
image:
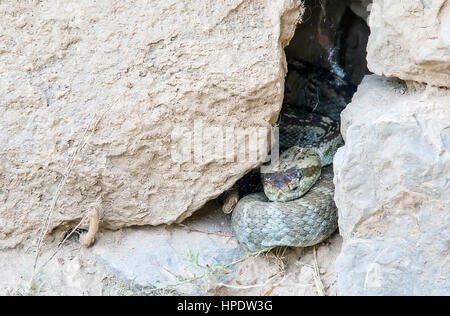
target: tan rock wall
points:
(109, 91)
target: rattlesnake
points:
(297, 207)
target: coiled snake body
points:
(259, 224)
(297, 207)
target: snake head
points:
(297, 171)
(279, 186)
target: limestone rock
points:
(392, 182)
(96, 99)
(410, 40)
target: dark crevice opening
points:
(326, 58)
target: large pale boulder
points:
(410, 40)
(123, 104)
(392, 182)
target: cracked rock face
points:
(99, 97)
(392, 182)
(410, 40)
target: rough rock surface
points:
(392, 182)
(94, 97)
(410, 40)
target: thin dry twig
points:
(246, 287)
(63, 241)
(316, 274)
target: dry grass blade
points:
(316, 274)
(88, 132)
(62, 242)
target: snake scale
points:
(296, 207)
